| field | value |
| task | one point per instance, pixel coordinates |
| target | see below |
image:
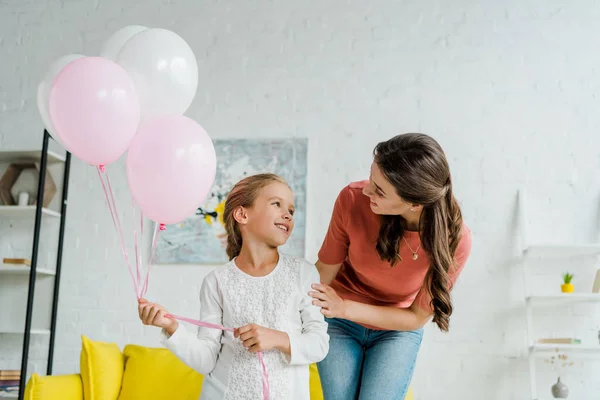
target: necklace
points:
(415, 256)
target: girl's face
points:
(271, 218)
(383, 196)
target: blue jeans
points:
(367, 364)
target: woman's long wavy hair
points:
(415, 164)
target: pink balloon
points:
(171, 166)
(95, 109)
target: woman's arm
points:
(386, 317)
(383, 317)
(327, 272)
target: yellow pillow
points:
(101, 367)
(316, 392)
(157, 374)
(59, 387)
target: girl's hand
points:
(258, 338)
(332, 305)
(154, 314)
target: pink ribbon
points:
(261, 358)
(142, 287)
(112, 206)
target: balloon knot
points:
(101, 167)
(162, 227)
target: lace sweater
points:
(280, 300)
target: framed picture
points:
(201, 238)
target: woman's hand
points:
(154, 314)
(332, 305)
(258, 338)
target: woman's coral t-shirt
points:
(351, 241)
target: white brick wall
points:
(509, 88)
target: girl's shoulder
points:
(220, 271)
(300, 267)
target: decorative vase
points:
(560, 390)
(567, 287)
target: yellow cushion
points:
(101, 367)
(60, 387)
(157, 374)
(315, 383)
(409, 395)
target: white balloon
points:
(43, 92)
(114, 44)
(164, 70)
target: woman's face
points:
(383, 196)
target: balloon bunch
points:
(131, 98)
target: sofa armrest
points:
(54, 387)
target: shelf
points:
(20, 332)
(554, 347)
(6, 395)
(25, 211)
(23, 269)
(565, 298)
(562, 250)
(12, 156)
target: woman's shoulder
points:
(463, 250)
(352, 193)
(465, 236)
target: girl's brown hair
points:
(243, 194)
(416, 166)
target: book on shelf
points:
(559, 341)
(10, 374)
(9, 380)
(17, 261)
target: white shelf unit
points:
(564, 298)
(33, 313)
(20, 331)
(539, 251)
(543, 348)
(23, 270)
(25, 211)
(11, 156)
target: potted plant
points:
(567, 286)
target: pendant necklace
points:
(415, 256)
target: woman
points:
(394, 248)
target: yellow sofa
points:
(137, 372)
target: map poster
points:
(201, 239)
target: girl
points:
(260, 292)
(396, 245)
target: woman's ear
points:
(416, 207)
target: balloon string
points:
(138, 263)
(144, 288)
(110, 199)
(261, 358)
